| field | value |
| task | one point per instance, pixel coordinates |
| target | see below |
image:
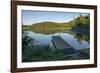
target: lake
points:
(76, 40)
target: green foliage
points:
(25, 27)
(41, 53)
(83, 21)
(48, 25)
(25, 44)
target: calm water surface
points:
(77, 41)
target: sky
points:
(30, 17)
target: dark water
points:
(76, 40)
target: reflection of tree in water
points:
(25, 40)
(82, 36)
(49, 31)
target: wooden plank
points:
(60, 44)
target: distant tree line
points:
(79, 23)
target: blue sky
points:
(30, 17)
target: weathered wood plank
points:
(59, 43)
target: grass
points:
(40, 53)
(46, 53)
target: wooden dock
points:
(62, 45)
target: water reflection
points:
(75, 39)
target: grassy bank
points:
(45, 53)
(41, 53)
